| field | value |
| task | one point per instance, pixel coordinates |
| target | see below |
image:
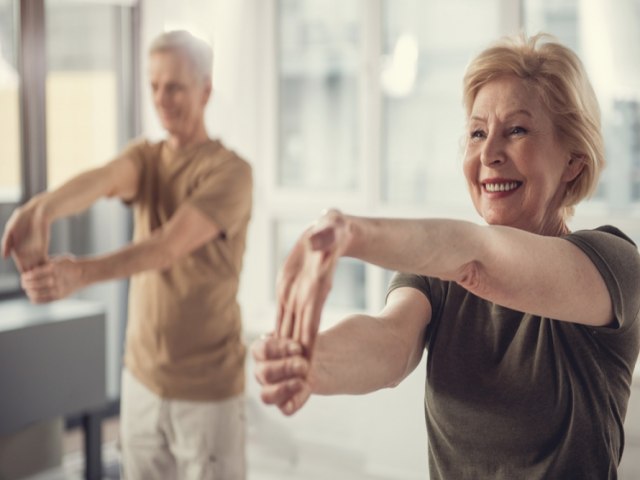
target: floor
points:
(273, 455)
(265, 461)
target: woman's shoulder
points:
(608, 230)
(605, 238)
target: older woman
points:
(531, 331)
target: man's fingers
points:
(38, 275)
(37, 289)
(26, 259)
(18, 261)
(7, 243)
(43, 296)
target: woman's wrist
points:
(353, 232)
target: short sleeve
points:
(616, 258)
(138, 152)
(224, 194)
(411, 280)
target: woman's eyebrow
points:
(521, 111)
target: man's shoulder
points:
(219, 155)
(142, 147)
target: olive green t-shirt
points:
(184, 327)
(511, 395)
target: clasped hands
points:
(284, 359)
(26, 239)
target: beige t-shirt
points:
(184, 331)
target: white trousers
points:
(176, 439)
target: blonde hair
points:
(559, 77)
(199, 52)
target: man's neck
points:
(182, 142)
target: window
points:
(319, 52)
(370, 118)
(421, 86)
(84, 86)
(608, 42)
(83, 109)
(10, 146)
(10, 179)
(90, 115)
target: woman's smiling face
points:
(516, 168)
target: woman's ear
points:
(574, 166)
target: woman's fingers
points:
(282, 371)
(274, 371)
(310, 322)
(282, 392)
(295, 402)
(289, 396)
(273, 348)
(288, 307)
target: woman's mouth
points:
(495, 187)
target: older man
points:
(182, 387)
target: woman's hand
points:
(26, 237)
(283, 371)
(56, 279)
(305, 279)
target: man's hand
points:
(56, 279)
(283, 371)
(26, 237)
(305, 279)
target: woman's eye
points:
(477, 134)
(518, 131)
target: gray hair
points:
(199, 52)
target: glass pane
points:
(421, 82)
(349, 287)
(318, 76)
(606, 36)
(10, 143)
(10, 151)
(82, 87)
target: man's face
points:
(179, 94)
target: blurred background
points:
(348, 103)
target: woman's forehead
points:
(507, 96)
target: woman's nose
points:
(493, 151)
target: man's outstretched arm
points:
(26, 234)
(187, 230)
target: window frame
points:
(32, 70)
(290, 204)
(31, 66)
